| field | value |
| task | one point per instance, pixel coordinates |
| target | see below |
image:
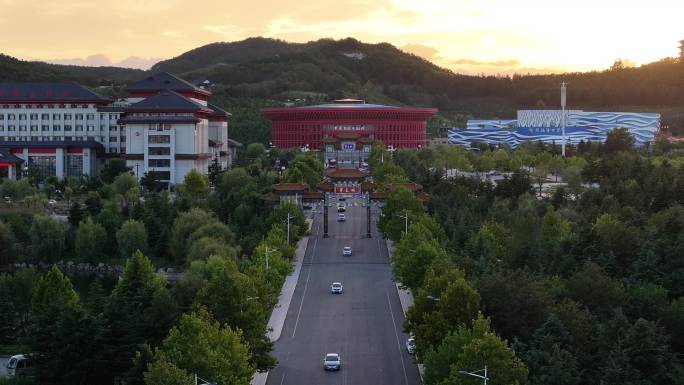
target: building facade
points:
(171, 128)
(165, 128)
(55, 128)
(547, 126)
(344, 130)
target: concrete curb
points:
(279, 313)
(406, 299)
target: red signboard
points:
(346, 190)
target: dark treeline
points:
(140, 329)
(584, 283)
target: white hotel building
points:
(166, 128)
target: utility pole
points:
(368, 216)
(563, 100)
(266, 252)
(325, 215)
(288, 226)
(405, 217)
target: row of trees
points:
(584, 283)
(212, 321)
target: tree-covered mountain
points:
(258, 72)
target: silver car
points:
(332, 361)
(336, 288)
(347, 251)
(411, 346)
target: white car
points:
(332, 361)
(336, 288)
(341, 217)
(411, 346)
(347, 251)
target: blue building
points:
(546, 125)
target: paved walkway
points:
(279, 313)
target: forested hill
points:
(259, 71)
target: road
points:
(363, 325)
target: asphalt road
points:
(363, 325)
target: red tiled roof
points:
(411, 186)
(290, 186)
(347, 173)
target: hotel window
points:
(34, 127)
(67, 116)
(113, 139)
(33, 116)
(112, 128)
(90, 117)
(11, 117)
(159, 175)
(79, 127)
(102, 128)
(56, 117)
(57, 127)
(74, 165)
(22, 127)
(22, 116)
(113, 116)
(159, 163)
(159, 151)
(102, 116)
(79, 116)
(2, 128)
(91, 127)
(113, 149)
(43, 165)
(2, 117)
(11, 127)
(159, 139)
(67, 127)
(45, 127)
(45, 116)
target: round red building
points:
(348, 125)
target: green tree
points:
(185, 224)
(472, 349)
(232, 298)
(140, 310)
(201, 345)
(15, 300)
(441, 305)
(47, 239)
(7, 250)
(195, 187)
(125, 182)
(593, 288)
(617, 140)
(400, 202)
(90, 240)
(112, 169)
(414, 254)
(131, 237)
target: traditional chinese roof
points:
(168, 101)
(234, 143)
(411, 186)
(218, 111)
(348, 135)
(271, 197)
(330, 139)
(7, 157)
(364, 139)
(325, 185)
(47, 92)
(367, 185)
(347, 173)
(290, 187)
(164, 81)
(312, 196)
(423, 196)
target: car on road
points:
(336, 288)
(20, 365)
(411, 346)
(341, 217)
(341, 208)
(332, 361)
(347, 251)
(342, 199)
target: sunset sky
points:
(467, 36)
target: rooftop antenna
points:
(563, 99)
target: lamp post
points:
(405, 217)
(267, 250)
(474, 374)
(288, 226)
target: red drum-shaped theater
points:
(345, 129)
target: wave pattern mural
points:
(545, 125)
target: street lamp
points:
(288, 226)
(405, 217)
(474, 374)
(267, 250)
